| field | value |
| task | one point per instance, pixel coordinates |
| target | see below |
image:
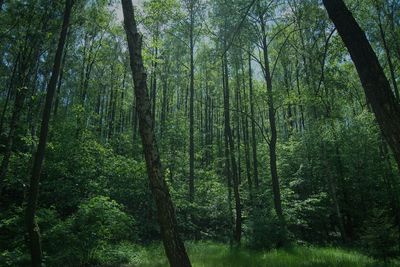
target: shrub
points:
(98, 223)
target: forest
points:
(214, 133)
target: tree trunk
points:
(245, 130)
(10, 88)
(231, 151)
(111, 105)
(237, 121)
(33, 229)
(191, 106)
(173, 244)
(376, 85)
(272, 124)
(389, 59)
(57, 101)
(154, 84)
(253, 126)
(332, 190)
(164, 98)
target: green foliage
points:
(380, 237)
(95, 206)
(265, 230)
(83, 237)
(13, 252)
(207, 217)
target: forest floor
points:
(207, 254)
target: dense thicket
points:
(264, 132)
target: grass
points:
(218, 255)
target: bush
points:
(80, 239)
(380, 236)
(265, 231)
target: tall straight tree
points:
(173, 244)
(33, 229)
(271, 115)
(191, 101)
(230, 147)
(253, 125)
(376, 85)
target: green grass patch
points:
(206, 254)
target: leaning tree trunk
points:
(376, 85)
(173, 244)
(33, 229)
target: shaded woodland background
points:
(264, 131)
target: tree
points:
(173, 244)
(261, 17)
(33, 228)
(191, 102)
(232, 173)
(253, 126)
(376, 85)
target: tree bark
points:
(191, 106)
(245, 130)
(164, 104)
(173, 244)
(376, 85)
(154, 83)
(33, 228)
(253, 126)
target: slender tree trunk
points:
(10, 88)
(234, 173)
(389, 60)
(173, 244)
(253, 126)
(376, 85)
(237, 120)
(245, 129)
(205, 127)
(191, 106)
(121, 120)
(33, 228)
(111, 106)
(332, 190)
(164, 98)
(272, 124)
(227, 170)
(154, 84)
(57, 101)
